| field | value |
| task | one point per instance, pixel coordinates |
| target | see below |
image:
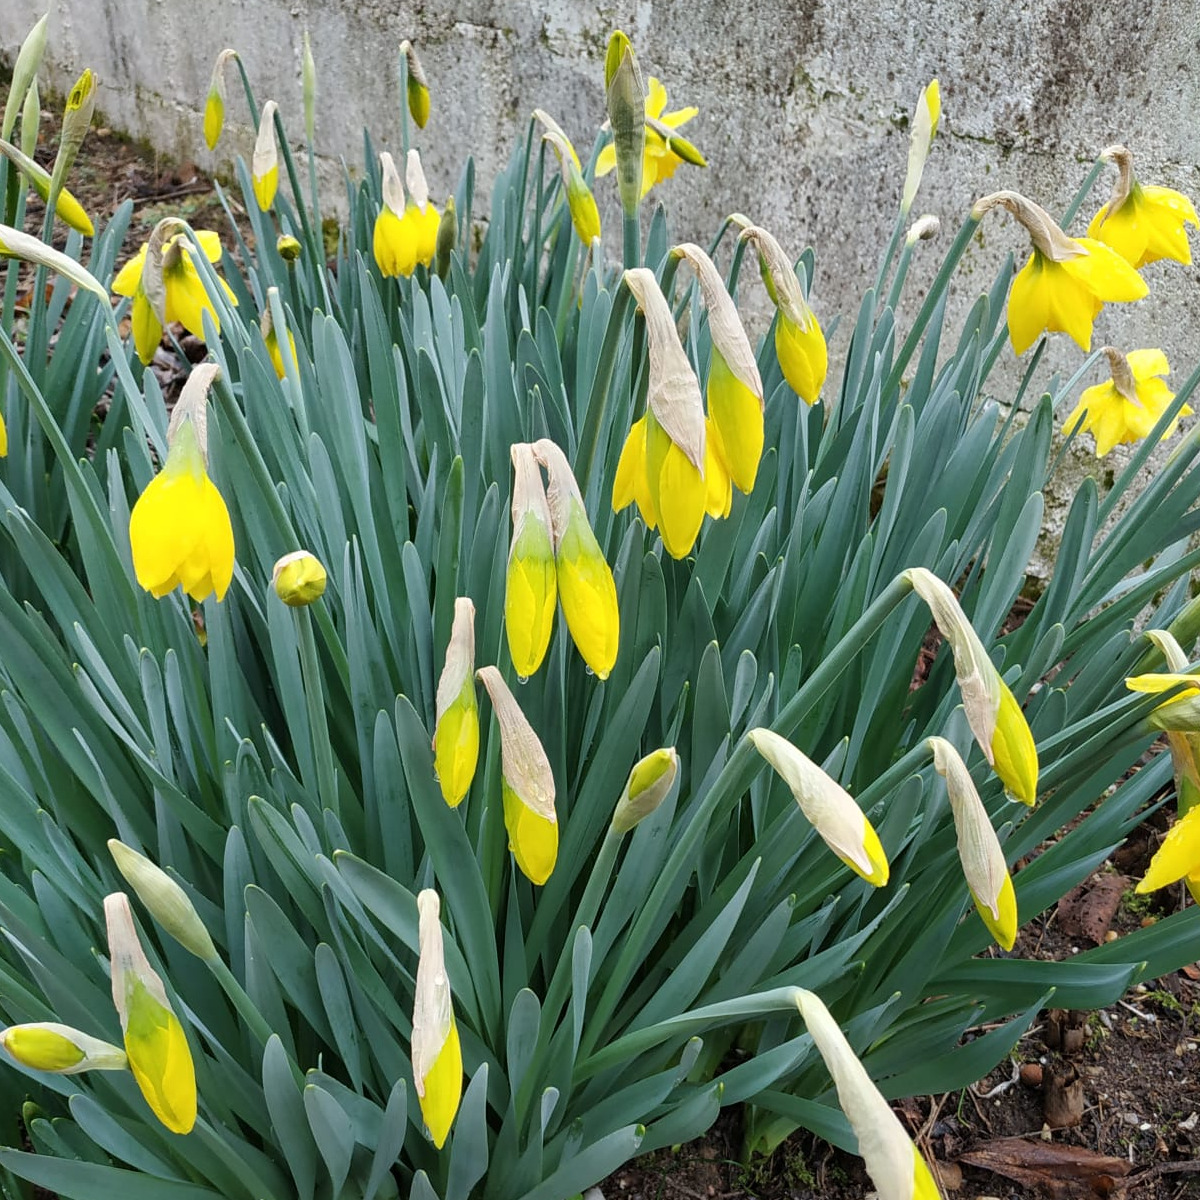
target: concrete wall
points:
(803, 105)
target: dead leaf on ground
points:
(1063, 1172)
(1088, 910)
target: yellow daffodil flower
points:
(526, 784)
(406, 230)
(1143, 223)
(1066, 281)
(531, 581)
(799, 340)
(214, 102)
(264, 165)
(49, 1046)
(299, 579)
(1128, 406)
(179, 530)
(154, 1039)
(827, 806)
(664, 149)
(183, 295)
(979, 849)
(66, 207)
(456, 728)
(891, 1158)
(992, 711)
(417, 87)
(581, 204)
(586, 589)
(646, 788)
(436, 1051)
(1177, 858)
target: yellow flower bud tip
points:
(585, 582)
(1014, 754)
(49, 1046)
(1179, 855)
(827, 806)
(531, 582)
(299, 578)
(417, 86)
(3, 439)
(647, 787)
(631, 483)
(1126, 409)
(803, 357)
(164, 899)
(264, 166)
(456, 728)
(288, 248)
(214, 103)
(67, 208)
(527, 783)
(436, 1052)
(155, 1043)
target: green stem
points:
(631, 240)
(255, 1021)
(314, 703)
(890, 252)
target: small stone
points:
(1190, 1124)
(1148, 921)
(1131, 1118)
(1031, 1074)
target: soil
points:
(1136, 1065)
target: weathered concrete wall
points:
(802, 104)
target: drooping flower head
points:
(406, 229)
(1140, 222)
(179, 530)
(154, 1039)
(662, 466)
(978, 847)
(586, 589)
(456, 728)
(527, 783)
(436, 1050)
(1128, 406)
(66, 208)
(827, 806)
(799, 341)
(585, 216)
(166, 287)
(992, 711)
(417, 86)
(214, 103)
(892, 1160)
(531, 581)
(264, 166)
(734, 390)
(1065, 283)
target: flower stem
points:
(314, 703)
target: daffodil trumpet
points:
(526, 783)
(1066, 280)
(456, 726)
(436, 1049)
(1140, 222)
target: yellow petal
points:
(1161, 681)
(656, 97)
(456, 746)
(1105, 273)
(1123, 230)
(265, 187)
(443, 1088)
(736, 423)
(678, 492)
(389, 245)
(1178, 856)
(588, 595)
(1028, 310)
(1003, 927)
(3, 439)
(630, 483)
(532, 838)
(160, 1059)
(187, 299)
(803, 357)
(529, 596)
(1013, 750)
(130, 275)
(606, 161)
(718, 496)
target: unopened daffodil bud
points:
(626, 101)
(586, 589)
(299, 579)
(923, 229)
(436, 1050)
(1066, 281)
(266, 326)
(891, 1158)
(67, 208)
(406, 230)
(308, 80)
(155, 1043)
(735, 390)
(1140, 222)
(662, 465)
(924, 126)
(664, 148)
(447, 238)
(992, 711)
(531, 584)
(421, 213)
(214, 103)
(827, 806)
(264, 166)
(16, 243)
(25, 69)
(289, 248)
(31, 118)
(526, 782)
(978, 846)
(77, 120)
(647, 787)
(456, 730)
(49, 1046)
(417, 86)
(581, 204)
(799, 340)
(164, 899)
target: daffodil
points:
(647, 787)
(299, 579)
(436, 1051)
(214, 102)
(992, 711)
(827, 806)
(154, 1039)
(1128, 406)
(1177, 858)
(66, 207)
(456, 729)
(664, 149)
(799, 340)
(1140, 222)
(406, 229)
(271, 340)
(924, 126)
(165, 900)
(581, 204)
(166, 287)
(586, 589)
(49, 1046)
(531, 581)
(179, 530)
(978, 847)
(1065, 283)
(417, 87)
(892, 1160)
(526, 783)
(264, 165)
